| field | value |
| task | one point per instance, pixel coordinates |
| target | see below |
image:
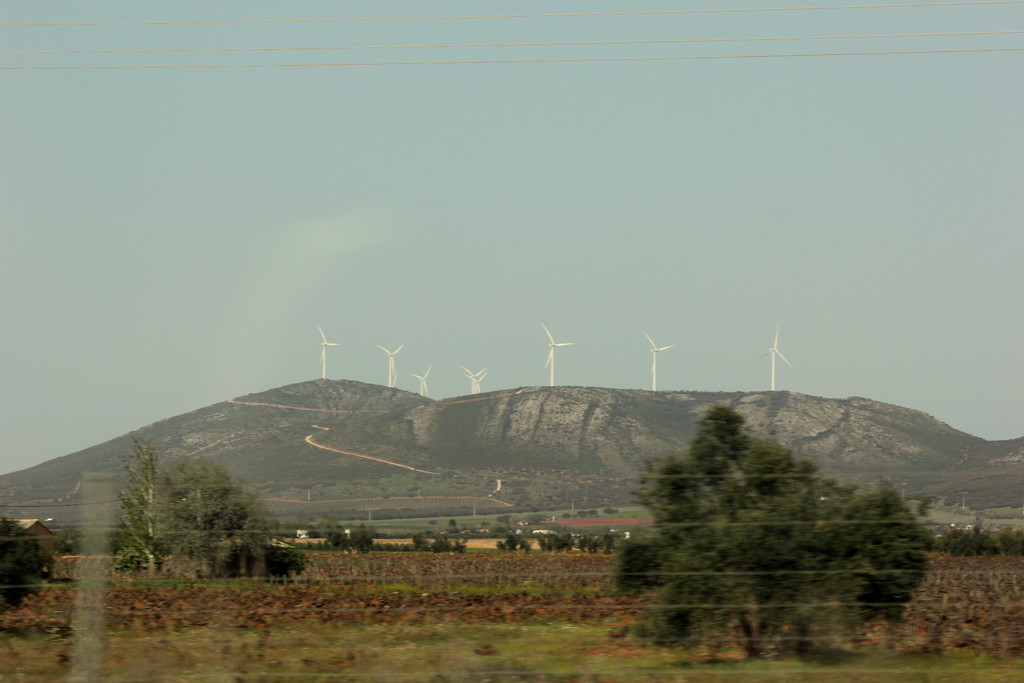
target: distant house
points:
(47, 541)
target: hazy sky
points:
(172, 237)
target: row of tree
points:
(975, 542)
(588, 543)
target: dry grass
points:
(455, 652)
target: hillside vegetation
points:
(324, 447)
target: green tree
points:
(556, 543)
(283, 560)
(22, 563)
(323, 526)
(514, 542)
(204, 514)
(750, 540)
(139, 509)
(358, 539)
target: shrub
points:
(283, 559)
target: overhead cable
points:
(507, 61)
(515, 16)
(590, 43)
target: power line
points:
(509, 61)
(18, 506)
(515, 16)
(481, 45)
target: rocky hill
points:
(345, 445)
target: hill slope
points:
(322, 441)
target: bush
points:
(132, 559)
(440, 544)
(514, 542)
(589, 543)
(283, 560)
(556, 543)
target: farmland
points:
(554, 616)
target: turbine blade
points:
(665, 348)
(653, 345)
(550, 338)
(564, 344)
(551, 357)
(322, 336)
(399, 349)
(783, 357)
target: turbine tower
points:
(551, 352)
(474, 379)
(392, 377)
(654, 360)
(423, 381)
(323, 352)
(774, 351)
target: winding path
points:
(316, 444)
(312, 442)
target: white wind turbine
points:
(323, 352)
(654, 360)
(774, 351)
(392, 377)
(423, 381)
(474, 379)
(551, 352)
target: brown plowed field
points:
(971, 604)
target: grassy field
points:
(471, 521)
(458, 652)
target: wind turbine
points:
(474, 379)
(774, 351)
(323, 353)
(551, 352)
(392, 377)
(654, 360)
(423, 381)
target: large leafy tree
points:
(750, 541)
(205, 514)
